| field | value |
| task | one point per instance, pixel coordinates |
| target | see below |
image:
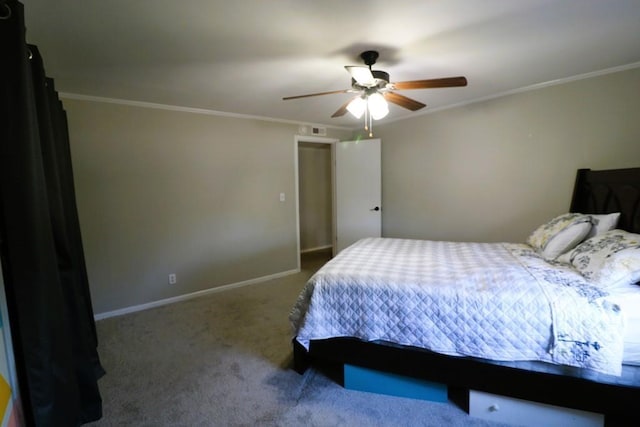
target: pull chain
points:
(366, 118)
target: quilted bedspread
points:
(498, 301)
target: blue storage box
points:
(362, 379)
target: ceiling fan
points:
(373, 90)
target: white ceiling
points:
(243, 56)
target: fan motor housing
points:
(380, 75)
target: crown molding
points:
(191, 110)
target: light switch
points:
(282, 197)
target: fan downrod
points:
(369, 57)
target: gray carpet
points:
(224, 360)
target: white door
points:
(358, 192)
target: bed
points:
(581, 348)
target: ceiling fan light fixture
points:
(357, 106)
(362, 75)
(375, 90)
(378, 107)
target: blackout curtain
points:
(52, 324)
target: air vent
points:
(318, 131)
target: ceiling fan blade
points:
(362, 75)
(403, 101)
(431, 83)
(316, 94)
(343, 108)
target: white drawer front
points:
(524, 413)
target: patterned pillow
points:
(560, 234)
(609, 259)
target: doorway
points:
(338, 193)
(315, 205)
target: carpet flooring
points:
(225, 360)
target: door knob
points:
(377, 208)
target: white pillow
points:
(602, 223)
(609, 259)
(560, 234)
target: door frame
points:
(318, 140)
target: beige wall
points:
(314, 165)
(163, 192)
(494, 170)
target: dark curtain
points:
(52, 324)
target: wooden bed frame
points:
(596, 192)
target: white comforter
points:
(497, 301)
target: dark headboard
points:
(607, 191)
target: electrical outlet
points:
(172, 279)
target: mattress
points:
(497, 301)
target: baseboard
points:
(159, 303)
(317, 248)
